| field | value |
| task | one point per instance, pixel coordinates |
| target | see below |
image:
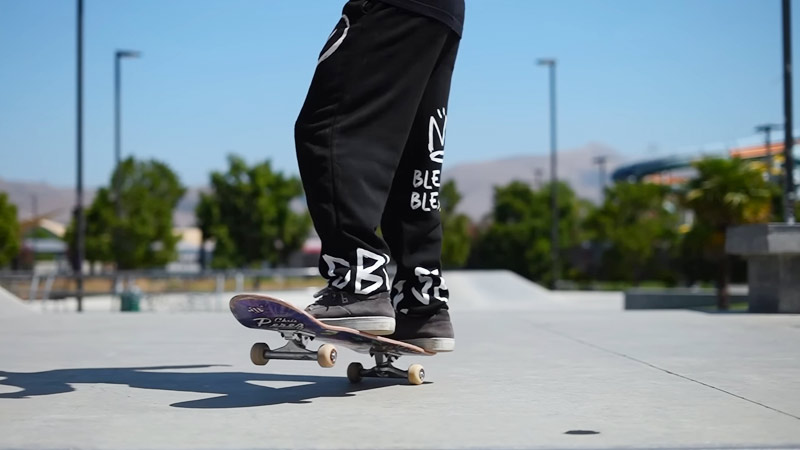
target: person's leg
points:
(350, 134)
(411, 222)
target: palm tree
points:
(727, 192)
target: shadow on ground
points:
(233, 389)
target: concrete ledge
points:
(763, 239)
(773, 265)
(676, 298)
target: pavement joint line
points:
(720, 447)
(669, 372)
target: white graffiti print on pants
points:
(426, 182)
(427, 278)
(334, 45)
(437, 155)
(368, 279)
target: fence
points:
(54, 286)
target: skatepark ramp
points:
(11, 305)
(494, 289)
(479, 290)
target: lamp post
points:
(788, 125)
(79, 219)
(118, 56)
(601, 167)
(538, 173)
(550, 63)
(767, 130)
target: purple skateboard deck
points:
(268, 313)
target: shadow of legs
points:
(232, 389)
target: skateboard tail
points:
(268, 313)
(254, 313)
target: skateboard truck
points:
(295, 349)
(384, 369)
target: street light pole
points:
(538, 173)
(767, 130)
(79, 219)
(118, 56)
(554, 244)
(601, 166)
(788, 128)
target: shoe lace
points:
(328, 296)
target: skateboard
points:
(299, 329)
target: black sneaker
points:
(372, 314)
(433, 333)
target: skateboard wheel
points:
(257, 353)
(354, 372)
(416, 374)
(326, 355)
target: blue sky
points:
(222, 76)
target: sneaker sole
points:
(436, 345)
(378, 326)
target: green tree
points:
(142, 236)
(634, 223)
(725, 192)
(457, 239)
(248, 213)
(9, 231)
(518, 235)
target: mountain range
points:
(475, 182)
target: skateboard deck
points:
(300, 329)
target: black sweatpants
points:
(370, 142)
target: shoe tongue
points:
(323, 291)
(328, 296)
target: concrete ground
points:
(532, 369)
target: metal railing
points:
(53, 286)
